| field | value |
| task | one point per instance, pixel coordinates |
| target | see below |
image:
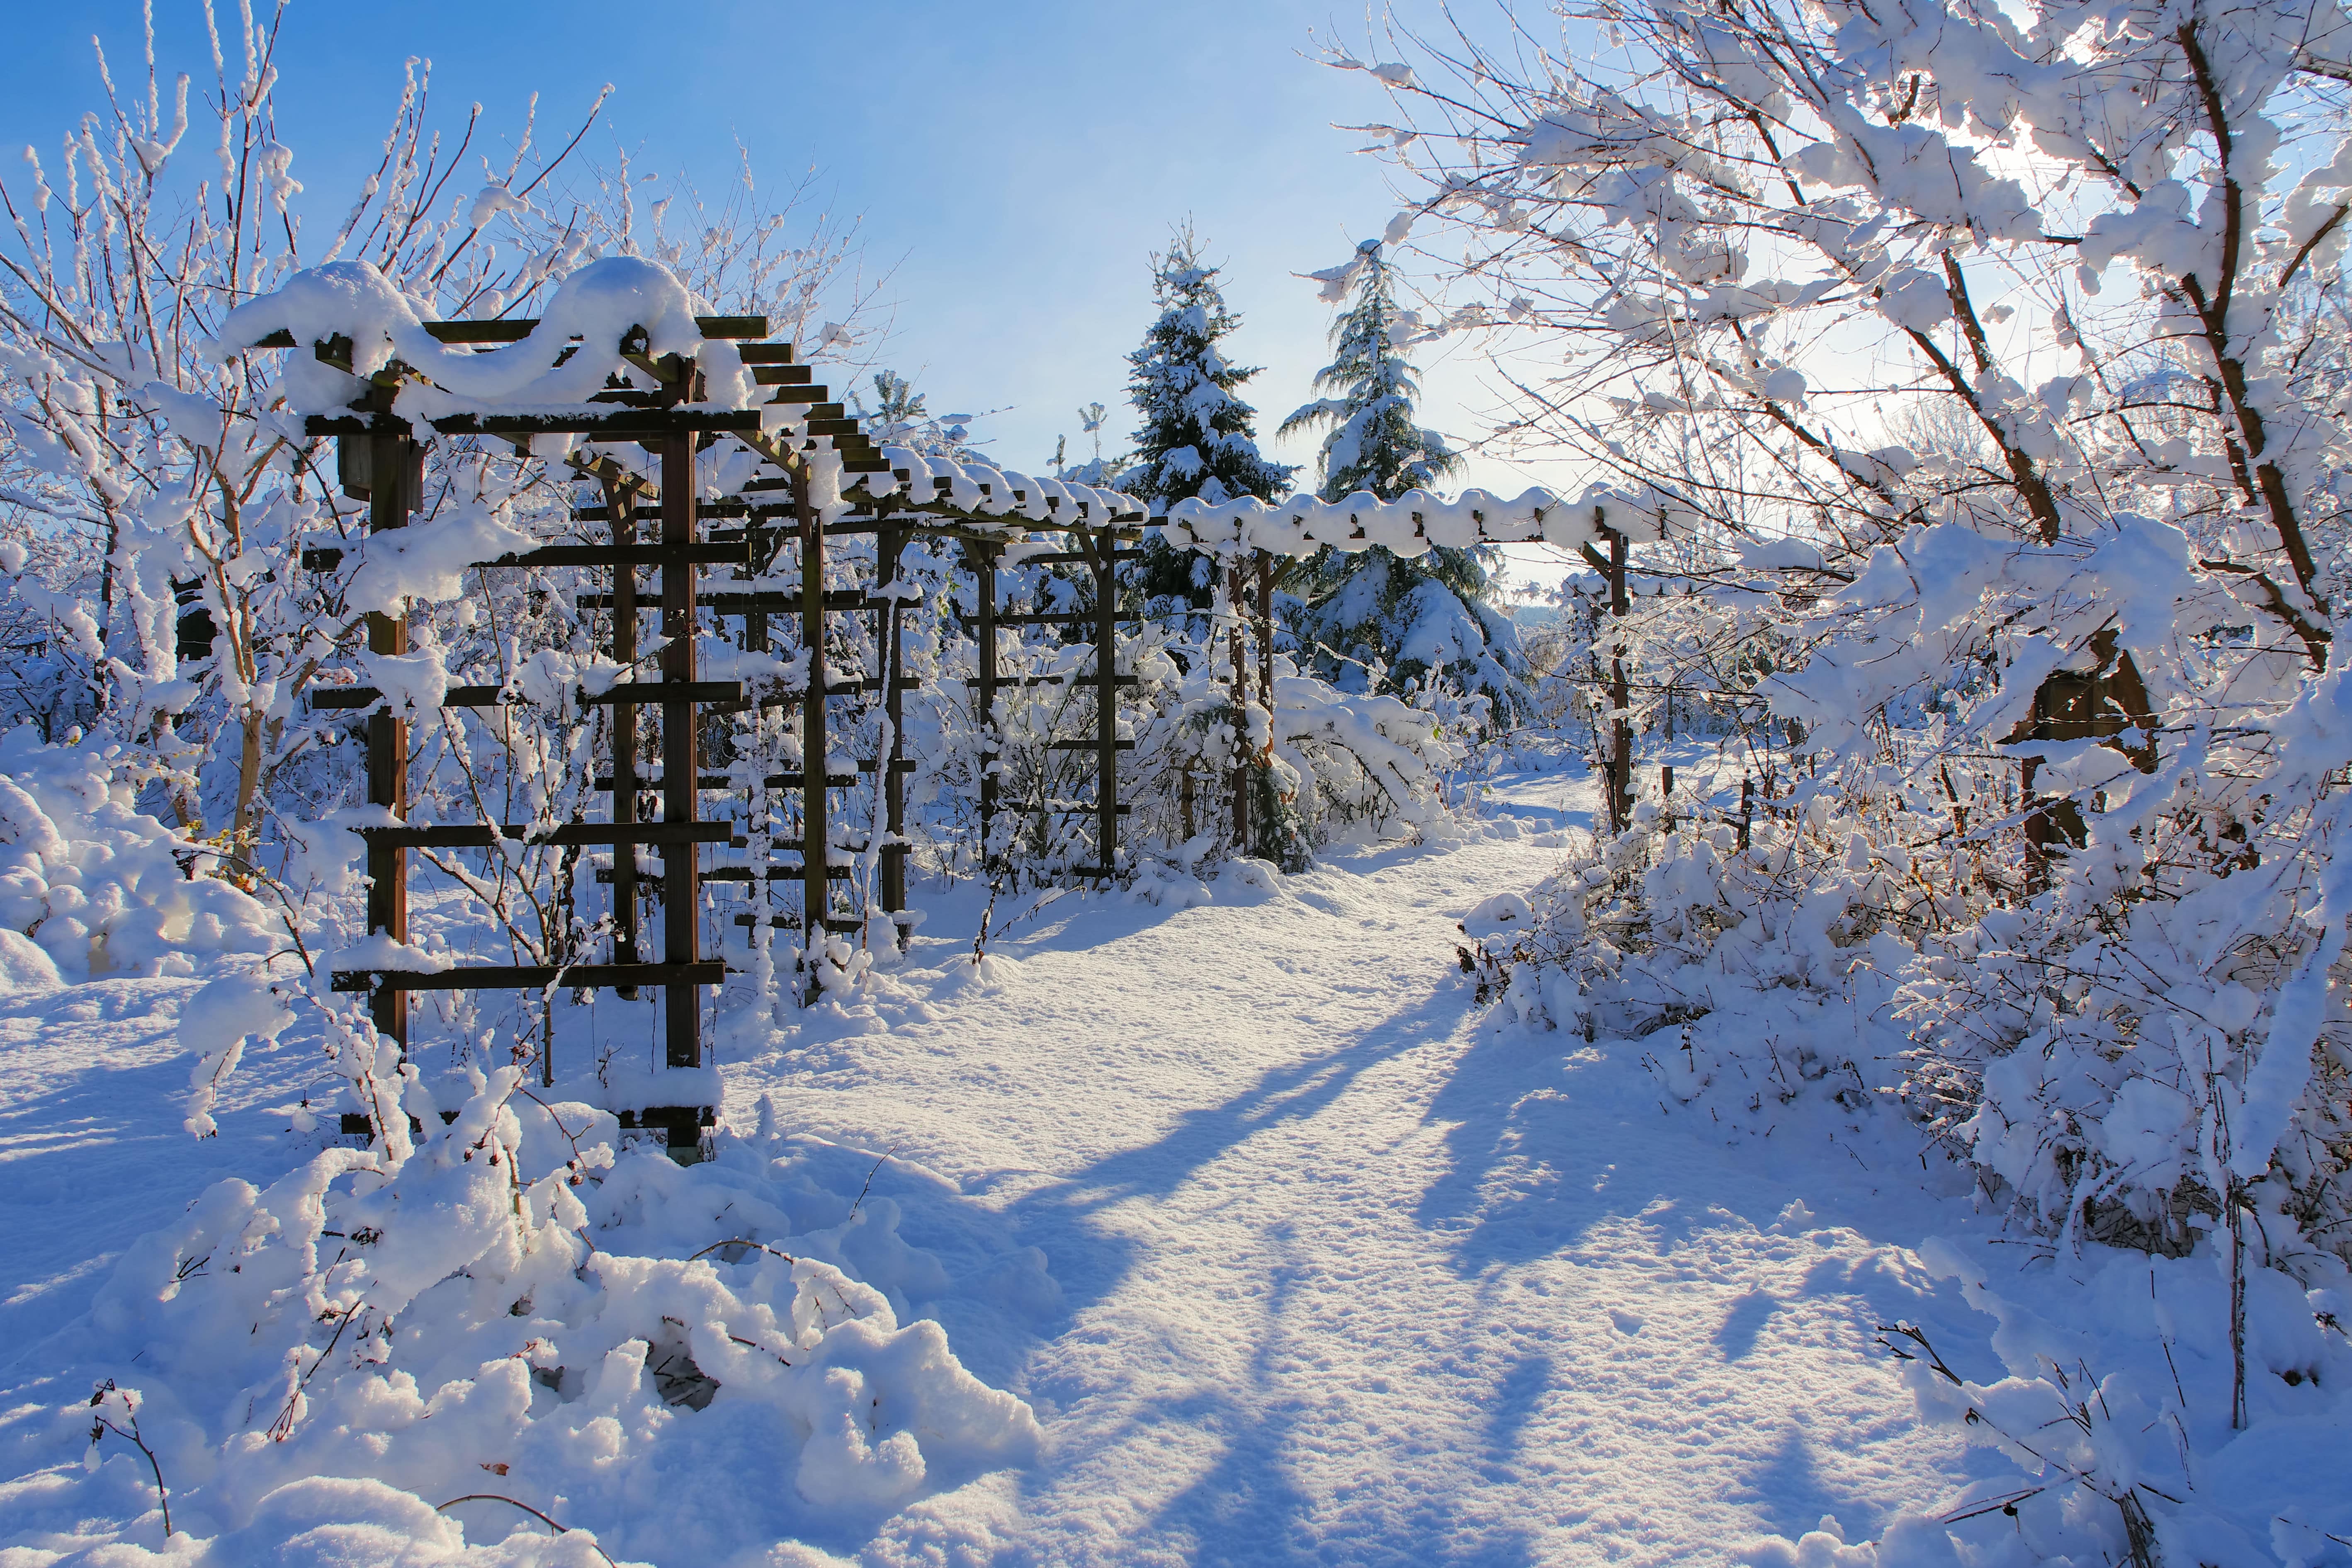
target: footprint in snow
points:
(1627, 1324)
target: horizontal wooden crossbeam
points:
(627, 424)
(531, 976)
(646, 693)
(515, 329)
(476, 835)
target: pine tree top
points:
(1197, 438)
(1372, 442)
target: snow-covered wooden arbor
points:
(671, 391)
(700, 449)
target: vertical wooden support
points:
(1106, 703)
(681, 764)
(888, 544)
(982, 560)
(392, 464)
(1265, 630)
(816, 839)
(1235, 592)
(1619, 786)
(621, 506)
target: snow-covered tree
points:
(1374, 611)
(1197, 438)
(1370, 441)
(2013, 322)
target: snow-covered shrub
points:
(2117, 1409)
(510, 1307)
(1764, 968)
(2037, 481)
(102, 887)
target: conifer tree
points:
(1433, 614)
(1197, 438)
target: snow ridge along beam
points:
(1416, 522)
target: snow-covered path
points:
(1340, 1271)
(1350, 1277)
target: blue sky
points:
(1013, 164)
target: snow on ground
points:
(1339, 1270)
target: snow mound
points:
(652, 1356)
(98, 886)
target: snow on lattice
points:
(599, 304)
(1417, 521)
(993, 492)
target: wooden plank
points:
(532, 977)
(1085, 744)
(1068, 557)
(646, 693)
(721, 552)
(602, 421)
(388, 733)
(681, 741)
(697, 553)
(515, 330)
(479, 835)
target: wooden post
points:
(981, 558)
(621, 506)
(1106, 703)
(1265, 632)
(1621, 743)
(1233, 589)
(393, 469)
(1747, 806)
(889, 544)
(815, 837)
(681, 761)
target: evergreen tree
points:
(1197, 438)
(1429, 615)
(1372, 443)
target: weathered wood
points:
(681, 894)
(815, 897)
(980, 557)
(664, 691)
(1107, 744)
(387, 735)
(515, 330)
(887, 612)
(532, 977)
(1241, 711)
(603, 421)
(478, 835)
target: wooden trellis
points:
(379, 460)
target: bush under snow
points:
(685, 1363)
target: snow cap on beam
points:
(599, 304)
(1416, 521)
(980, 491)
